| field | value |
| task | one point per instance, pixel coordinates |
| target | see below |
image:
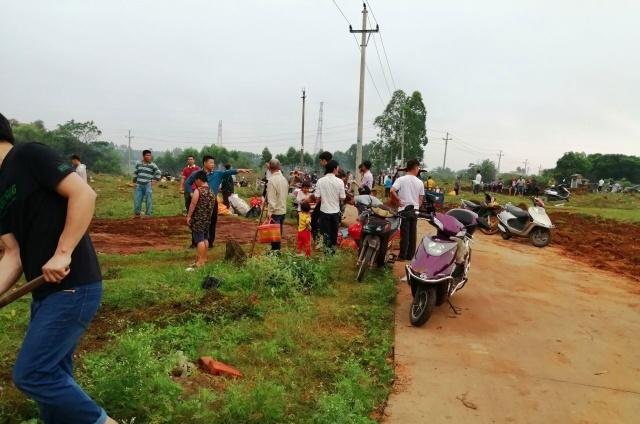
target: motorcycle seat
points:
(517, 212)
(471, 205)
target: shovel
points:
(27, 287)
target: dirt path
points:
(127, 236)
(541, 339)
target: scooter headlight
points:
(435, 249)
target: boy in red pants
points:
(304, 229)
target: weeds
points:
(313, 344)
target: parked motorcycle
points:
(380, 227)
(487, 210)
(533, 223)
(558, 192)
(441, 265)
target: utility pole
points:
(402, 140)
(446, 144)
(363, 47)
(304, 98)
(499, 160)
(220, 133)
(129, 137)
(318, 147)
(526, 162)
(540, 169)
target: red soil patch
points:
(127, 236)
(604, 244)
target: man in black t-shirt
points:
(45, 210)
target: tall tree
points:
(487, 169)
(266, 155)
(86, 132)
(402, 122)
(573, 163)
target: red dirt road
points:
(127, 236)
(542, 339)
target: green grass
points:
(313, 345)
(115, 197)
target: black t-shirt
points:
(31, 209)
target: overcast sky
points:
(531, 78)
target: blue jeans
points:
(44, 369)
(143, 191)
(278, 219)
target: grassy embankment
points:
(314, 346)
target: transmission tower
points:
(318, 147)
(220, 132)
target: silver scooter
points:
(533, 223)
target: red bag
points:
(269, 232)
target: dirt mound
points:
(604, 244)
(127, 236)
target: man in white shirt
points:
(600, 184)
(329, 192)
(79, 167)
(408, 192)
(324, 159)
(366, 184)
(477, 183)
(277, 192)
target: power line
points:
(384, 49)
(358, 46)
(370, 74)
(341, 12)
(384, 75)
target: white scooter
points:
(533, 223)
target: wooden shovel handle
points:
(27, 287)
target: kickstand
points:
(456, 310)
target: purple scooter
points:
(441, 264)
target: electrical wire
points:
(384, 75)
(358, 46)
(384, 49)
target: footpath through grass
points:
(314, 346)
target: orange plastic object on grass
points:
(269, 232)
(214, 367)
(349, 243)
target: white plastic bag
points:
(241, 207)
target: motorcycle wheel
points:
(422, 306)
(366, 261)
(505, 235)
(492, 220)
(540, 237)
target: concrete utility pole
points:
(446, 144)
(220, 133)
(363, 47)
(129, 137)
(304, 98)
(402, 140)
(318, 147)
(526, 162)
(499, 160)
